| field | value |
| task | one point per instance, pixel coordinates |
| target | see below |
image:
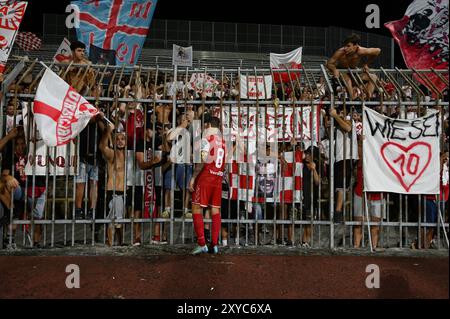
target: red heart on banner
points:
(409, 166)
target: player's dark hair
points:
(214, 122)
(353, 38)
(77, 45)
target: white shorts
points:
(375, 207)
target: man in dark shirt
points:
(87, 170)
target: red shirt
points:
(212, 172)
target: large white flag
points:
(11, 15)
(401, 156)
(61, 113)
(290, 60)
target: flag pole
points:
(366, 209)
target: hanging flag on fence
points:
(64, 52)
(41, 159)
(28, 41)
(117, 25)
(250, 90)
(422, 35)
(290, 60)
(401, 156)
(11, 15)
(263, 180)
(182, 56)
(61, 113)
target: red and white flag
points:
(60, 112)
(11, 15)
(64, 52)
(28, 41)
(290, 60)
(422, 35)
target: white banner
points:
(61, 112)
(182, 56)
(253, 91)
(401, 156)
(201, 83)
(65, 156)
(305, 127)
(11, 15)
(64, 52)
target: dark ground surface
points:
(263, 273)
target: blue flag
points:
(118, 25)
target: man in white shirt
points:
(10, 117)
(180, 154)
(346, 131)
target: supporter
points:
(375, 206)
(12, 113)
(343, 162)
(115, 159)
(350, 56)
(180, 155)
(18, 182)
(311, 182)
(435, 204)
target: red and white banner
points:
(401, 156)
(28, 41)
(422, 35)
(11, 15)
(201, 83)
(256, 88)
(61, 113)
(64, 52)
(290, 60)
(266, 181)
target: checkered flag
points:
(28, 41)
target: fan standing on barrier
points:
(206, 185)
(350, 56)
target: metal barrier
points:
(153, 98)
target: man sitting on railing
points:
(350, 56)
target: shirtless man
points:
(163, 112)
(115, 160)
(350, 56)
(74, 77)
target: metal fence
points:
(147, 101)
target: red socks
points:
(199, 227)
(216, 225)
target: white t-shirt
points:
(351, 147)
(10, 122)
(180, 152)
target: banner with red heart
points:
(407, 163)
(399, 155)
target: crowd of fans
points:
(145, 156)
